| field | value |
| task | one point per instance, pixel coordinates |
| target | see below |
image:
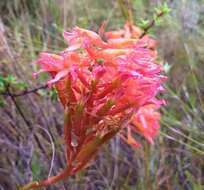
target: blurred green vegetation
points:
(176, 161)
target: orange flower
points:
(79, 37)
(146, 121)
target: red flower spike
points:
(106, 88)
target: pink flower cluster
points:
(108, 85)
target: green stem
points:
(126, 9)
(147, 167)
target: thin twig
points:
(19, 110)
(17, 106)
(24, 92)
(151, 24)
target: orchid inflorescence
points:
(107, 85)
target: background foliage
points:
(176, 161)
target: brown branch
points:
(151, 24)
(17, 106)
(24, 92)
